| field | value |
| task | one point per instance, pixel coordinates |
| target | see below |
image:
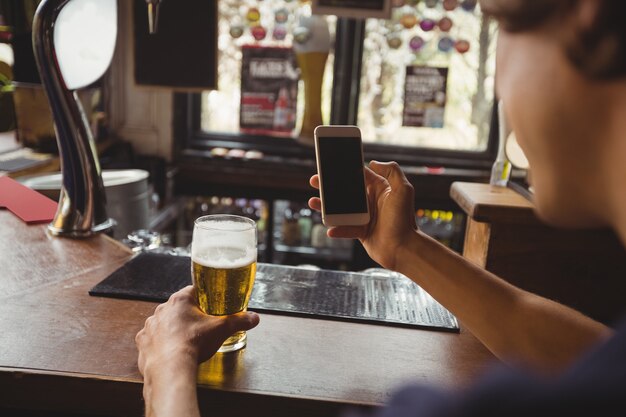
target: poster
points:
(424, 96)
(269, 90)
(379, 9)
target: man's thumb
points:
(391, 171)
(244, 320)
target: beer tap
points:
(73, 41)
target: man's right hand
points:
(392, 214)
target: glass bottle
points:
(290, 229)
(306, 225)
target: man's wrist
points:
(165, 367)
(167, 380)
(407, 252)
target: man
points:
(561, 71)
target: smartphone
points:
(339, 155)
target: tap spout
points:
(153, 15)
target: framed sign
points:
(269, 90)
(424, 96)
(360, 9)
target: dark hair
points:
(598, 52)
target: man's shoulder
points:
(604, 365)
(592, 386)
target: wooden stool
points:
(584, 269)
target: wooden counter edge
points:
(26, 390)
(491, 204)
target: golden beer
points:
(223, 291)
(223, 266)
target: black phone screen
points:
(341, 166)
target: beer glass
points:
(223, 266)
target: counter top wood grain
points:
(65, 351)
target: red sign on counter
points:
(26, 203)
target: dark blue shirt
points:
(594, 386)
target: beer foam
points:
(223, 256)
(225, 226)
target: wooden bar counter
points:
(63, 352)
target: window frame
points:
(191, 141)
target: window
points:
(365, 79)
(273, 20)
(431, 37)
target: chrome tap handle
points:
(82, 203)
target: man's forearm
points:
(170, 390)
(515, 325)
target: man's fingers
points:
(375, 183)
(371, 176)
(391, 172)
(315, 203)
(349, 232)
(315, 181)
(378, 174)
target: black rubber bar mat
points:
(379, 298)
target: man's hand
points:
(391, 201)
(171, 345)
(180, 333)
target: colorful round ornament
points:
(236, 30)
(416, 43)
(445, 24)
(259, 32)
(281, 15)
(445, 44)
(408, 20)
(394, 40)
(462, 46)
(431, 3)
(427, 25)
(450, 5)
(279, 33)
(468, 5)
(253, 15)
